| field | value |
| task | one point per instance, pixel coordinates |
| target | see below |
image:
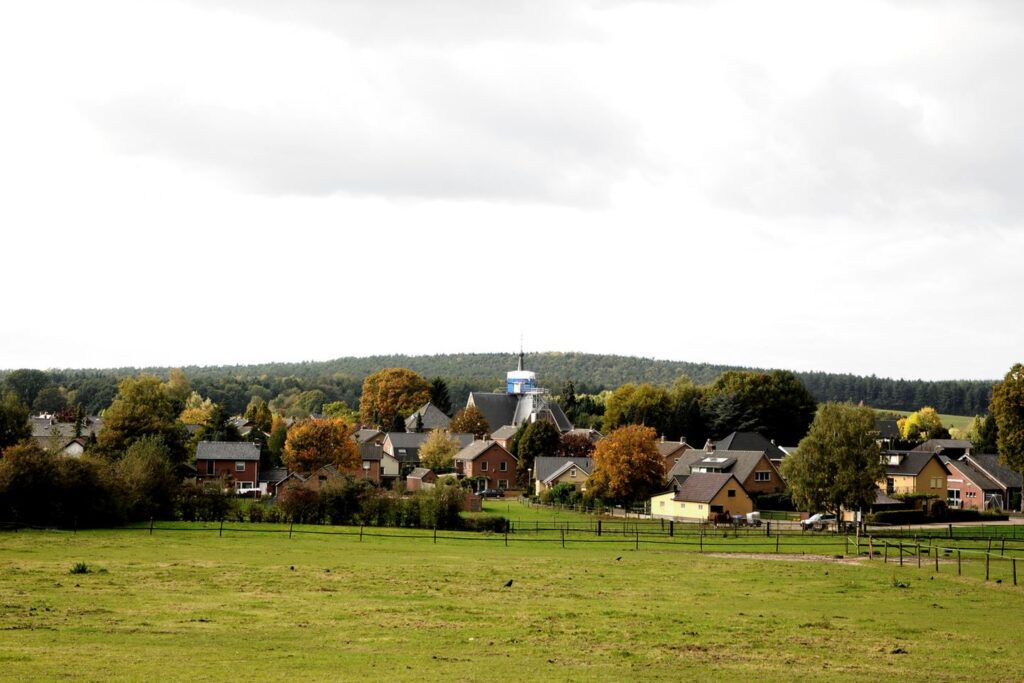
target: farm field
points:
(191, 604)
(961, 422)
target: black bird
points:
(292, 567)
(508, 584)
(618, 558)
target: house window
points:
(502, 484)
(503, 466)
(209, 467)
(762, 476)
(972, 494)
(732, 493)
(953, 497)
(401, 451)
(239, 466)
(661, 503)
(936, 482)
(890, 485)
(483, 466)
(572, 473)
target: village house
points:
(670, 452)
(751, 441)
(914, 472)
(405, 447)
(420, 478)
(235, 461)
(1008, 480)
(968, 488)
(426, 418)
(700, 496)
(488, 464)
(755, 472)
(549, 472)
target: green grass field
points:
(192, 605)
(961, 422)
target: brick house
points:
(489, 463)
(753, 469)
(670, 451)
(969, 488)
(235, 461)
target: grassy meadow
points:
(190, 604)
(961, 422)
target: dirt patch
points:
(790, 557)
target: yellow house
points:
(915, 472)
(549, 472)
(702, 495)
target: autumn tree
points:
(278, 435)
(627, 466)
(14, 424)
(1007, 407)
(922, 425)
(438, 450)
(838, 465)
(178, 388)
(311, 444)
(141, 408)
(540, 439)
(197, 410)
(575, 445)
(440, 396)
(470, 421)
(392, 392)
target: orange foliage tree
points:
(627, 466)
(311, 444)
(470, 421)
(390, 393)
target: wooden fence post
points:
(506, 536)
(563, 538)
(361, 534)
(671, 528)
(918, 555)
(1002, 548)
(150, 526)
(221, 534)
(638, 538)
(290, 525)
(435, 533)
(988, 558)
(1014, 563)
(777, 537)
(936, 553)
(871, 549)
(599, 528)
(885, 545)
(959, 570)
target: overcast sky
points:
(805, 185)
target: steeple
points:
(520, 368)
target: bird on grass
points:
(508, 583)
(618, 558)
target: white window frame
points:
(239, 466)
(762, 475)
(483, 465)
(502, 484)
(503, 466)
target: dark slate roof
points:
(888, 428)
(432, 417)
(476, 448)
(979, 478)
(701, 488)
(716, 462)
(512, 409)
(506, 432)
(407, 439)
(668, 448)
(274, 474)
(939, 445)
(591, 434)
(419, 473)
(498, 409)
(544, 466)
(745, 461)
(750, 441)
(227, 450)
(371, 451)
(990, 465)
(363, 435)
(882, 498)
(911, 464)
(43, 427)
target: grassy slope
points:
(962, 422)
(182, 605)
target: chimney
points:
(709, 447)
(663, 438)
(682, 439)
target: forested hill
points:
(340, 379)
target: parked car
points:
(818, 521)
(490, 493)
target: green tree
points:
(438, 450)
(1007, 407)
(258, 412)
(14, 424)
(470, 420)
(178, 388)
(141, 408)
(26, 384)
(50, 400)
(540, 439)
(340, 410)
(984, 434)
(440, 396)
(278, 436)
(838, 464)
(568, 401)
(685, 418)
(627, 466)
(638, 404)
(147, 479)
(776, 403)
(392, 392)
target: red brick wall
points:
(966, 487)
(226, 468)
(493, 457)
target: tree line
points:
(305, 387)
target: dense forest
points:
(311, 383)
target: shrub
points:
(256, 513)
(206, 501)
(782, 502)
(341, 499)
(80, 568)
(299, 503)
(491, 523)
(897, 517)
